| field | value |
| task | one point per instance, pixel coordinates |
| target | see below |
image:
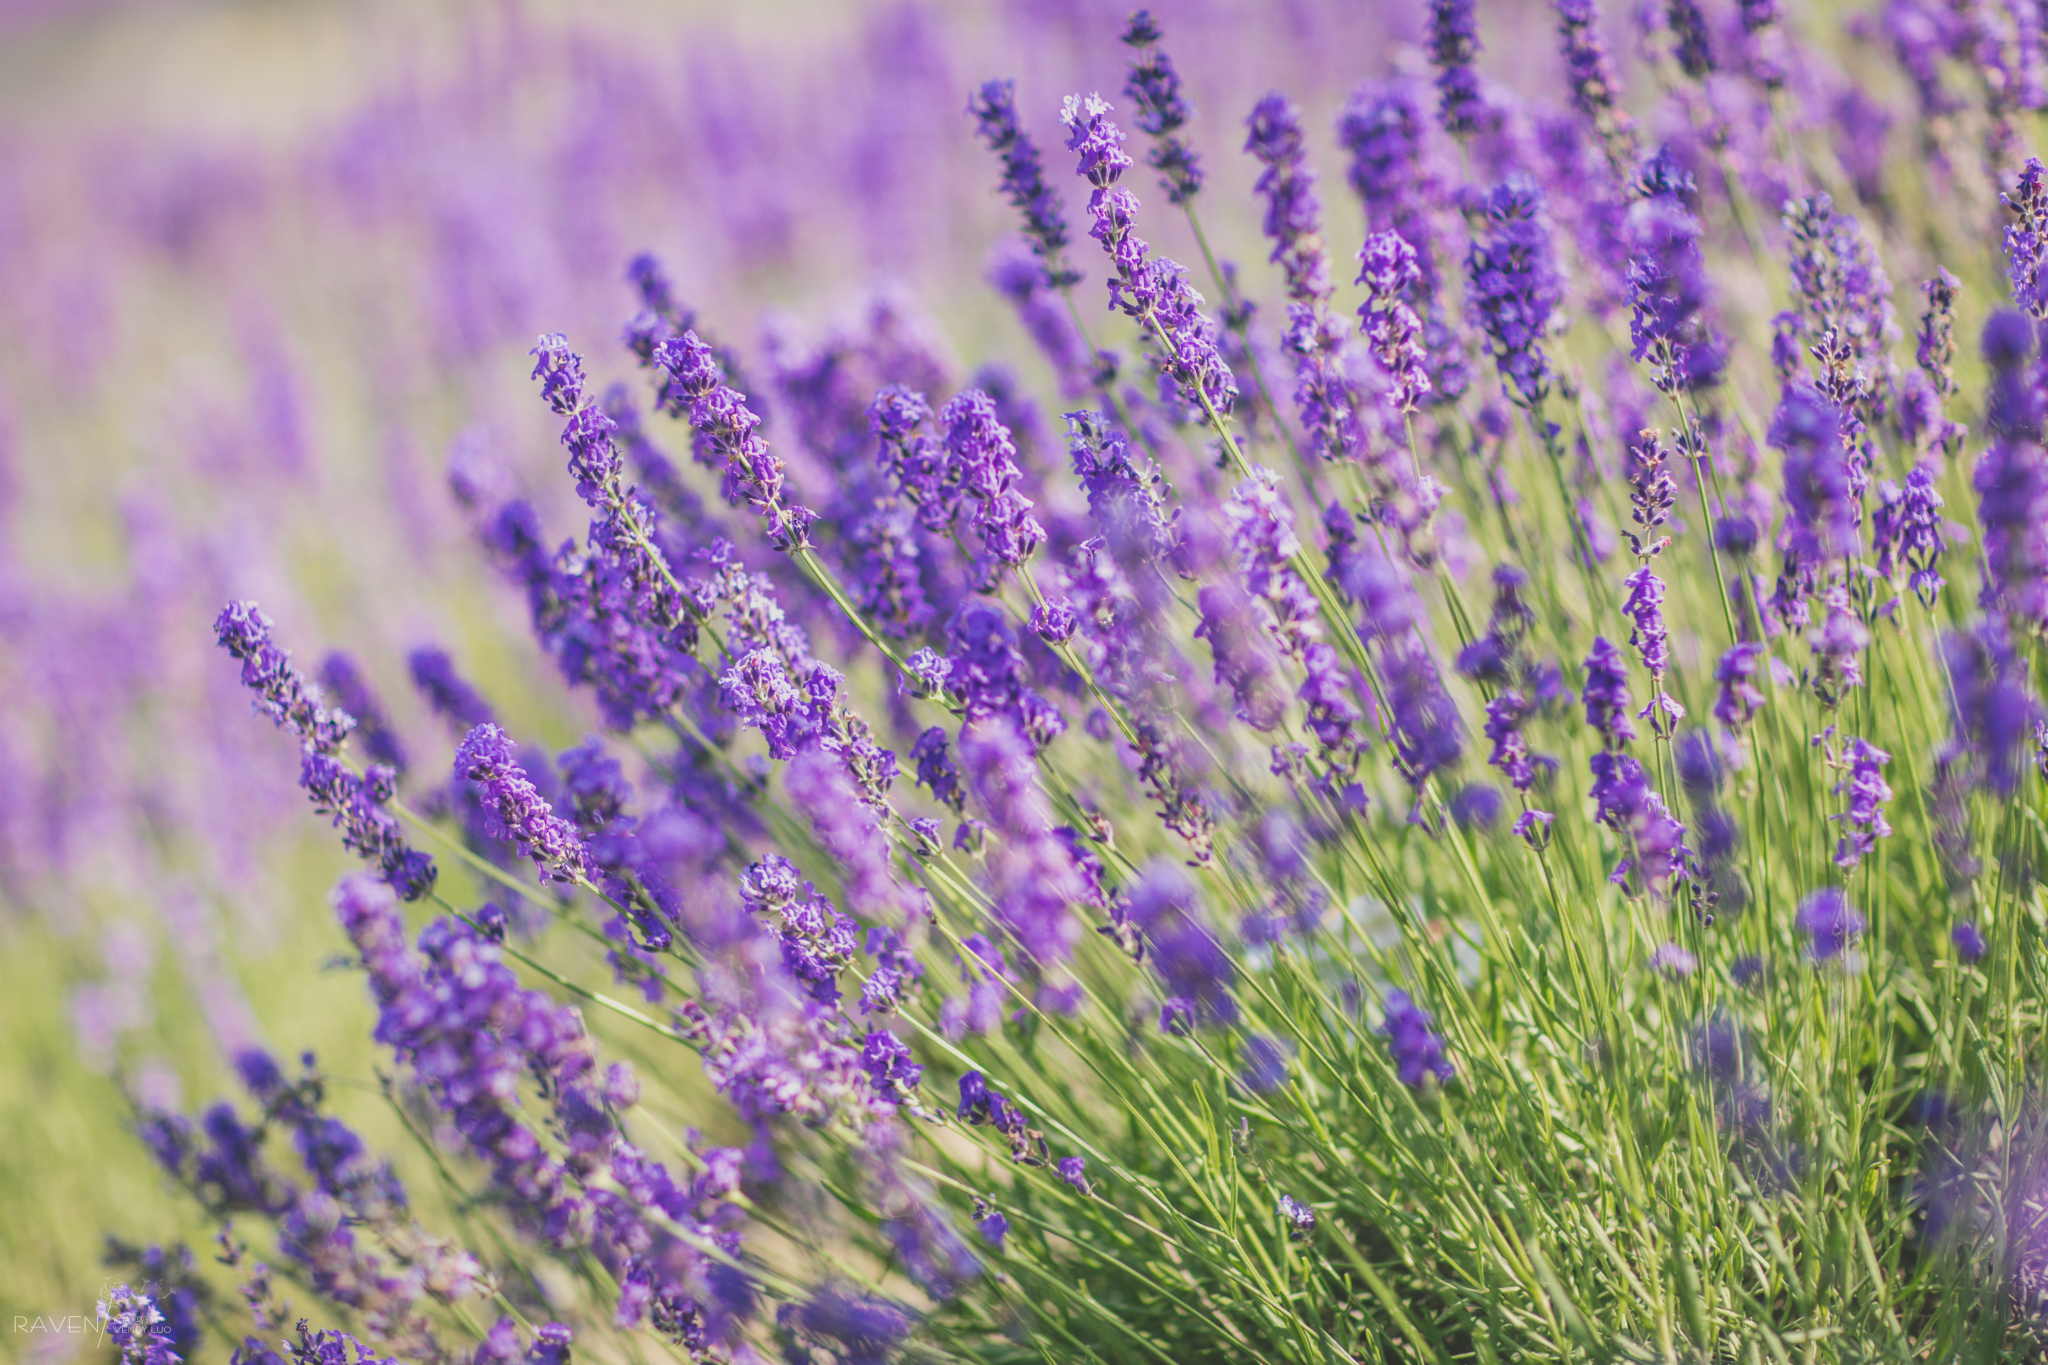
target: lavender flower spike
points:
(1863, 822)
(1515, 286)
(518, 810)
(1389, 271)
(720, 413)
(1152, 290)
(1453, 43)
(357, 804)
(994, 107)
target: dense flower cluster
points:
(1735, 567)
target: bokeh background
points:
(264, 263)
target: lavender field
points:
(1017, 682)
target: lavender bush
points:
(1484, 808)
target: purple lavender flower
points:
(1263, 541)
(1668, 293)
(1151, 290)
(1673, 961)
(994, 107)
(720, 414)
(935, 770)
(1126, 496)
(1829, 921)
(1288, 185)
(1969, 941)
(1595, 90)
(1936, 348)
(1417, 1050)
(351, 691)
(1994, 714)
(1739, 699)
(518, 811)
(1153, 87)
(1423, 724)
(1034, 876)
(446, 691)
(1301, 1219)
(1907, 526)
(1505, 716)
(1453, 43)
(1644, 608)
(357, 804)
(1392, 330)
(1515, 287)
(1821, 520)
(2026, 240)
(1074, 1171)
(1234, 630)
(982, 459)
(1264, 1067)
(139, 1331)
(1019, 277)
(1606, 695)
(1863, 821)
(1838, 643)
(1689, 33)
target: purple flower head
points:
(1243, 662)
(1821, 515)
(863, 1330)
(352, 694)
(891, 1073)
(1595, 89)
(994, 107)
(1606, 695)
(1453, 43)
(1936, 349)
(1389, 271)
(1739, 699)
(719, 413)
(982, 459)
(1264, 1067)
(1301, 1219)
(1838, 643)
(1515, 286)
(1644, 608)
(560, 371)
(1054, 621)
(935, 769)
(1689, 37)
(1151, 290)
(1994, 714)
(1197, 973)
(517, 811)
(1668, 294)
(1827, 918)
(138, 1329)
(446, 691)
(1288, 185)
(1074, 1171)
(1505, 715)
(1907, 527)
(2026, 240)
(1422, 721)
(1969, 941)
(1153, 87)
(1863, 820)
(1126, 496)
(1673, 961)
(1417, 1050)
(357, 805)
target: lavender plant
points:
(1195, 986)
